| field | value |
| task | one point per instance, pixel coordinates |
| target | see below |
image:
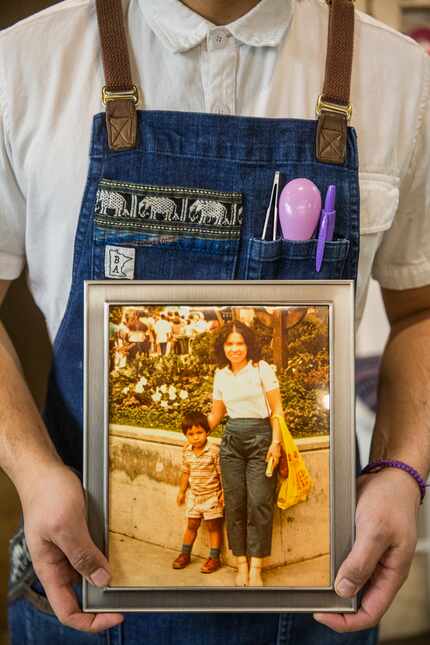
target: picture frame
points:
(329, 301)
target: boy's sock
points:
(186, 548)
(214, 553)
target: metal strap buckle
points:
(130, 95)
(326, 106)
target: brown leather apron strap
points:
(119, 95)
(334, 108)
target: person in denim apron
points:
(184, 196)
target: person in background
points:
(163, 333)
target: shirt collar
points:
(246, 368)
(189, 447)
(181, 29)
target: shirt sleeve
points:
(185, 465)
(217, 392)
(12, 210)
(403, 258)
(268, 377)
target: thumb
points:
(84, 556)
(360, 564)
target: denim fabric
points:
(202, 153)
(227, 165)
(248, 493)
(31, 626)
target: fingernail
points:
(345, 588)
(100, 578)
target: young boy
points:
(201, 472)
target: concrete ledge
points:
(145, 467)
(177, 438)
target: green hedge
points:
(155, 392)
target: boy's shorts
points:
(202, 506)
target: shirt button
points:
(221, 109)
(219, 38)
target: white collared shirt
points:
(268, 63)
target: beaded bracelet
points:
(376, 466)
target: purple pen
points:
(329, 209)
(327, 224)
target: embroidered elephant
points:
(160, 208)
(108, 200)
(205, 211)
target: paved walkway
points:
(138, 564)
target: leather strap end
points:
(121, 123)
(331, 138)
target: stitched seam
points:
(227, 160)
(158, 227)
(181, 191)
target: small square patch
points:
(119, 262)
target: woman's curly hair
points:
(253, 348)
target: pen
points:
(327, 224)
(273, 201)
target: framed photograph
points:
(219, 456)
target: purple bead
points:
(299, 209)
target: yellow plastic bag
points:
(296, 487)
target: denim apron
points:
(186, 202)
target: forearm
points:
(216, 414)
(276, 431)
(402, 429)
(24, 441)
(275, 404)
(183, 483)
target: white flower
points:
(183, 394)
(172, 396)
(125, 390)
(164, 404)
(140, 386)
(163, 388)
(156, 397)
(172, 390)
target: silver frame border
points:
(339, 296)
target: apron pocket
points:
(138, 256)
(149, 232)
(290, 260)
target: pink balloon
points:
(299, 209)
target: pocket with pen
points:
(294, 260)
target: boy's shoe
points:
(211, 565)
(181, 561)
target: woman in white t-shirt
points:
(247, 391)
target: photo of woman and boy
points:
(216, 493)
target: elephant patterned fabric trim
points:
(168, 210)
